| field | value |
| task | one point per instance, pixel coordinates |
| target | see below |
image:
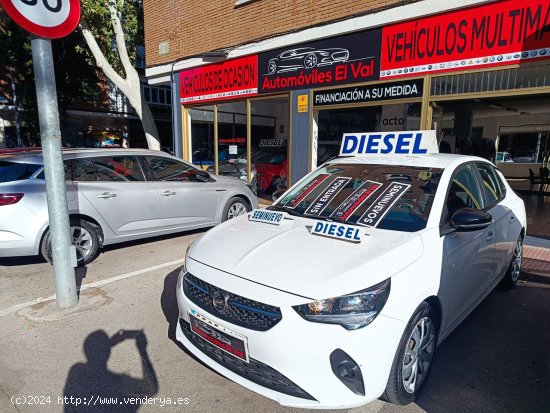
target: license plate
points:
(227, 340)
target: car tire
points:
(272, 67)
(512, 274)
(234, 208)
(310, 61)
(84, 237)
(414, 356)
(273, 186)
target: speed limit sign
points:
(46, 18)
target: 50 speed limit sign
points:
(47, 18)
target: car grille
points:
(254, 371)
(237, 310)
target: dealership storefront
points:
(478, 76)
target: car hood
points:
(288, 258)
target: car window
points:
(84, 170)
(464, 191)
(118, 168)
(491, 185)
(170, 170)
(16, 171)
(390, 197)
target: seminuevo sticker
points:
(268, 217)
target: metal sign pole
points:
(62, 249)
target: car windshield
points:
(384, 196)
(275, 156)
(16, 171)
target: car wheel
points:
(413, 360)
(310, 61)
(84, 237)
(234, 208)
(512, 275)
(273, 186)
(272, 67)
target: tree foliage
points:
(98, 18)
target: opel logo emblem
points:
(218, 301)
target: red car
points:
(270, 168)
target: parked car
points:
(237, 169)
(377, 260)
(113, 196)
(269, 168)
(525, 157)
(503, 157)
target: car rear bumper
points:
(20, 231)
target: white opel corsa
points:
(339, 293)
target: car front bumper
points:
(294, 356)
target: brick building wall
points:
(190, 27)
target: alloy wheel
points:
(83, 242)
(418, 355)
(238, 208)
(516, 261)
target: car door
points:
(116, 188)
(468, 265)
(504, 217)
(185, 201)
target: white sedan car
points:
(339, 293)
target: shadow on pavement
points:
(498, 359)
(17, 261)
(169, 306)
(91, 387)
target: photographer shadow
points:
(91, 387)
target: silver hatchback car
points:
(113, 195)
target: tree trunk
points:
(131, 86)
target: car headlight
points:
(184, 266)
(351, 311)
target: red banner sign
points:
(499, 33)
(230, 79)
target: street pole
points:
(62, 249)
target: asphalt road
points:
(498, 360)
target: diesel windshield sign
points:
(345, 59)
(370, 93)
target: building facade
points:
(274, 85)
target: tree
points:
(113, 30)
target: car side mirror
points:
(470, 219)
(203, 176)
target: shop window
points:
(269, 144)
(332, 124)
(492, 81)
(231, 131)
(202, 135)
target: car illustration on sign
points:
(357, 303)
(306, 58)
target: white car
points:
(339, 293)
